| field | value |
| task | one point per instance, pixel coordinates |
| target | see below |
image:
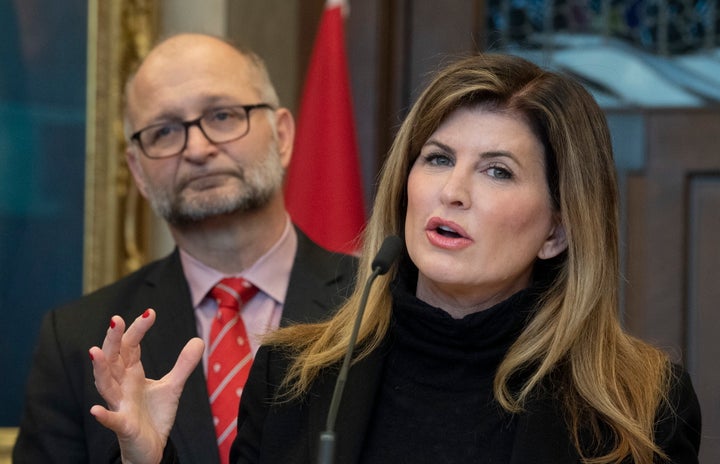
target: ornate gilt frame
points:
(119, 33)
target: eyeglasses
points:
(219, 125)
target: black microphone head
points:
(388, 253)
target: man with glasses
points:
(208, 145)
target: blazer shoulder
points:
(320, 281)
(310, 255)
(119, 296)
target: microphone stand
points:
(389, 251)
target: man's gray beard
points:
(259, 184)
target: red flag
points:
(323, 191)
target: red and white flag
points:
(323, 190)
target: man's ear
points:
(555, 243)
(131, 156)
(285, 127)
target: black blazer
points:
(57, 427)
(288, 432)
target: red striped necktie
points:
(229, 358)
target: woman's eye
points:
(438, 159)
(499, 172)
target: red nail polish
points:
(92, 358)
(112, 324)
(146, 314)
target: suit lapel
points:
(167, 292)
(316, 283)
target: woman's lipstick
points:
(446, 234)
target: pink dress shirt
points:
(270, 273)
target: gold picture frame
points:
(8, 435)
(115, 243)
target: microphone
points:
(388, 253)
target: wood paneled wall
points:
(672, 224)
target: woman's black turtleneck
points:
(435, 403)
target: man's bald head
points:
(185, 57)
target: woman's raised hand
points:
(140, 411)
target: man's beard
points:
(258, 184)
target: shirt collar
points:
(270, 273)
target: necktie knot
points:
(233, 292)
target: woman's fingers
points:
(137, 330)
(105, 382)
(130, 346)
(117, 364)
(113, 337)
(105, 417)
(139, 410)
(188, 359)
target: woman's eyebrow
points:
(438, 144)
(490, 154)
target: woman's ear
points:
(555, 243)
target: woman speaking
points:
(494, 338)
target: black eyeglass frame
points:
(196, 122)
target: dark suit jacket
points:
(57, 426)
(288, 433)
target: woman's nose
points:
(455, 192)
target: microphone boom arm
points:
(327, 438)
(342, 376)
(389, 251)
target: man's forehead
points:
(188, 106)
(180, 79)
(195, 89)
